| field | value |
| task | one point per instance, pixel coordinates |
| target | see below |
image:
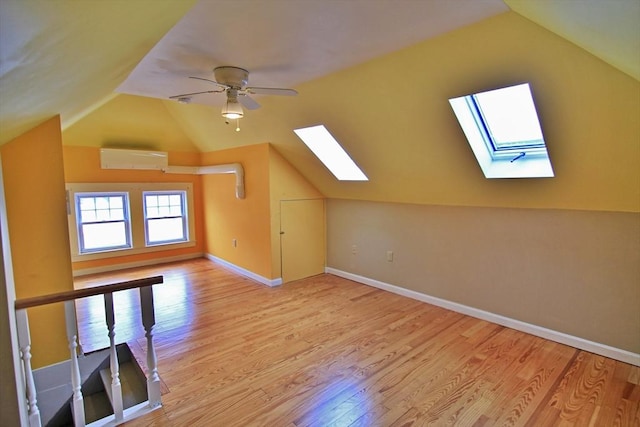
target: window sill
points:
(131, 251)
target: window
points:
(503, 130)
(509, 118)
(110, 219)
(330, 153)
(103, 221)
(165, 217)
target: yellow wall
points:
(285, 183)
(82, 165)
(392, 116)
(129, 121)
(36, 212)
(246, 220)
(254, 221)
(400, 128)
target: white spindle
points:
(72, 336)
(148, 321)
(24, 342)
(116, 387)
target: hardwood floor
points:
(326, 351)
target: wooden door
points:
(302, 238)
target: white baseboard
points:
(245, 272)
(123, 266)
(560, 337)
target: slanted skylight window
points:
(329, 151)
(503, 130)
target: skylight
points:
(503, 130)
(330, 153)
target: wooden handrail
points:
(88, 292)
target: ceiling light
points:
(232, 109)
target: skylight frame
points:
(329, 151)
(492, 140)
(515, 159)
(498, 153)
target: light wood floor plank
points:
(326, 351)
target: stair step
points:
(132, 383)
(53, 385)
(96, 407)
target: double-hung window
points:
(103, 221)
(165, 217)
(119, 219)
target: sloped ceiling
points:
(285, 43)
(67, 57)
(609, 30)
(381, 91)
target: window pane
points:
(163, 230)
(330, 153)
(87, 203)
(103, 215)
(95, 216)
(115, 202)
(101, 236)
(102, 203)
(161, 224)
(510, 116)
(117, 214)
(88, 216)
(505, 139)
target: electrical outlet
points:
(390, 256)
(354, 249)
(234, 243)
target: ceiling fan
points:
(233, 81)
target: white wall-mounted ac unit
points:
(111, 158)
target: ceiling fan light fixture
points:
(232, 110)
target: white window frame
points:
(183, 216)
(529, 160)
(126, 220)
(136, 214)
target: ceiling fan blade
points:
(223, 86)
(248, 102)
(183, 95)
(271, 91)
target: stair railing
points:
(69, 299)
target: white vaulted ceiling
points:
(284, 43)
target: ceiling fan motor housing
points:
(235, 77)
